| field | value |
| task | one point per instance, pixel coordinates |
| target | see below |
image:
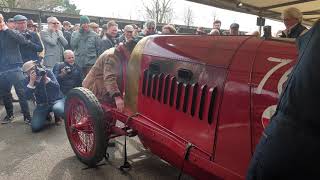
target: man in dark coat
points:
(68, 73)
(292, 18)
(30, 50)
(85, 44)
(150, 28)
(10, 71)
(46, 90)
(127, 34)
(289, 147)
(66, 30)
(108, 36)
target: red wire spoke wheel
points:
(85, 126)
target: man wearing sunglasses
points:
(54, 43)
(150, 28)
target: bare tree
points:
(159, 10)
(31, 4)
(9, 3)
(45, 5)
(188, 16)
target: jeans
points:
(17, 79)
(41, 113)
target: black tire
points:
(99, 126)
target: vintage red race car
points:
(198, 102)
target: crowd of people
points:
(292, 19)
(43, 66)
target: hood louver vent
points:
(197, 101)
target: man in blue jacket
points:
(30, 50)
(289, 147)
(45, 88)
(10, 71)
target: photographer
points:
(46, 90)
(30, 50)
(68, 73)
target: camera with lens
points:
(67, 69)
(40, 71)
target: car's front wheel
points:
(85, 126)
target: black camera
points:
(67, 69)
(40, 71)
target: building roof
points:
(269, 8)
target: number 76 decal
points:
(283, 79)
(269, 111)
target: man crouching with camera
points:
(46, 90)
(68, 73)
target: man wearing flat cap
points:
(10, 71)
(30, 50)
(127, 35)
(85, 44)
(43, 85)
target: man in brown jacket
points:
(106, 79)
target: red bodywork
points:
(207, 125)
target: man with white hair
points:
(150, 28)
(54, 43)
(68, 73)
(292, 19)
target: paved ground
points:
(48, 155)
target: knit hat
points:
(84, 20)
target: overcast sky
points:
(203, 15)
